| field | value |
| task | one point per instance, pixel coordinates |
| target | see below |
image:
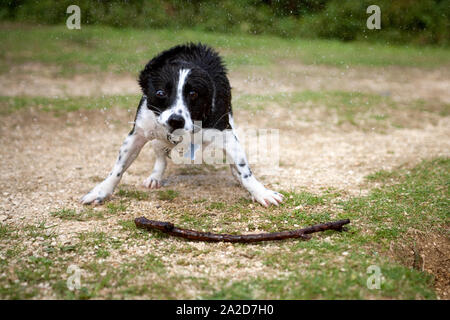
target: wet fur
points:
(175, 74)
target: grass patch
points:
(344, 282)
(197, 222)
(72, 214)
(95, 48)
(133, 194)
(355, 108)
(153, 263)
(167, 195)
(216, 206)
(300, 209)
(420, 201)
(303, 199)
(39, 231)
(100, 242)
(65, 104)
(383, 176)
(115, 208)
(6, 231)
(66, 214)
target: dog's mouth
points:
(174, 139)
(176, 131)
(174, 136)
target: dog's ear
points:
(158, 61)
(145, 80)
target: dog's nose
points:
(176, 121)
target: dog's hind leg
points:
(161, 149)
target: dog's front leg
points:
(243, 173)
(154, 180)
(128, 152)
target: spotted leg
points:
(154, 180)
(128, 152)
(234, 172)
(244, 174)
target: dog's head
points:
(178, 90)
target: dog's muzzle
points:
(175, 122)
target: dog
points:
(181, 86)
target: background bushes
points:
(403, 21)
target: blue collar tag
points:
(190, 153)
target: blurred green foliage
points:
(402, 21)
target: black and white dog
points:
(184, 84)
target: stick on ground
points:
(170, 229)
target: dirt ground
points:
(49, 162)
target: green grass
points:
(420, 200)
(197, 222)
(332, 99)
(72, 214)
(359, 109)
(216, 206)
(115, 208)
(100, 241)
(56, 105)
(133, 194)
(383, 175)
(5, 231)
(39, 230)
(153, 263)
(346, 282)
(167, 195)
(95, 48)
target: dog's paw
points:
(152, 183)
(267, 197)
(96, 196)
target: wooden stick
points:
(170, 229)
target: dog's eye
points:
(160, 93)
(193, 95)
